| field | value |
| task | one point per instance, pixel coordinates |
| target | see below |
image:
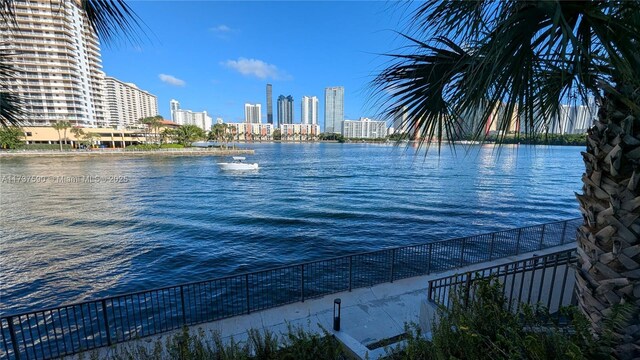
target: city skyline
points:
(235, 59)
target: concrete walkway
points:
(368, 314)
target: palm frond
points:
(11, 109)
(110, 18)
(11, 104)
(498, 64)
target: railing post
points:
(464, 242)
(106, 321)
(542, 237)
(393, 260)
(302, 282)
(493, 239)
(350, 272)
(429, 259)
(430, 291)
(184, 314)
(467, 289)
(518, 242)
(246, 281)
(14, 342)
(564, 230)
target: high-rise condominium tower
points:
(333, 109)
(309, 110)
(175, 106)
(269, 104)
(187, 117)
(57, 57)
(126, 104)
(253, 113)
(285, 110)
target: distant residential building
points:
(309, 110)
(333, 109)
(56, 55)
(400, 125)
(285, 110)
(269, 104)
(126, 104)
(251, 131)
(187, 117)
(574, 119)
(174, 105)
(252, 113)
(299, 132)
(364, 128)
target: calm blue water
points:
(181, 219)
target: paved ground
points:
(368, 314)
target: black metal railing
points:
(546, 280)
(70, 329)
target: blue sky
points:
(215, 56)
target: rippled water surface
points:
(181, 219)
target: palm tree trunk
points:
(609, 239)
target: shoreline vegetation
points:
(126, 152)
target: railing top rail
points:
(434, 282)
(244, 274)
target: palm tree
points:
(525, 58)
(61, 125)
(77, 133)
(109, 19)
(166, 134)
(187, 134)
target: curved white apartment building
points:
(126, 104)
(57, 55)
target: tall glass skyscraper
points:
(269, 104)
(285, 110)
(333, 109)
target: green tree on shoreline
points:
(525, 58)
(61, 125)
(187, 134)
(11, 137)
(78, 133)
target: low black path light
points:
(336, 314)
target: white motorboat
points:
(238, 164)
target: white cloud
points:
(223, 32)
(257, 68)
(171, 80)
(221, 29)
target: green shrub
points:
(264, 345)
(484, 328)
(44, 147)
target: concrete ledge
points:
(171, 152)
